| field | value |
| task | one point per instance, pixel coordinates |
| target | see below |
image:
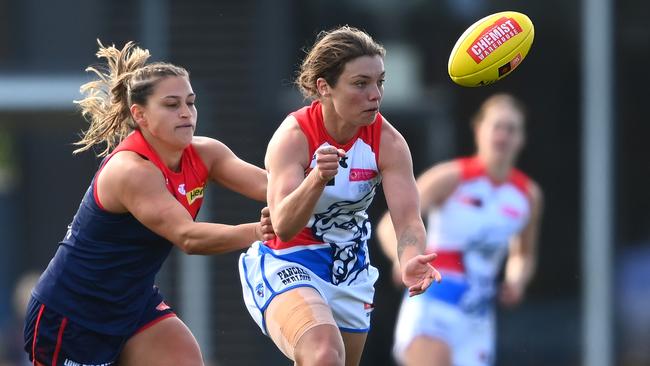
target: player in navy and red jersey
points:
(96, 303)
(311, 288)
(480, 210)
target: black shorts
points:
(52, 339)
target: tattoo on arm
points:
(407, 239)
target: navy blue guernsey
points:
(103, 272)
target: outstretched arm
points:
(435, 185)
(131, 184)
(403, 203)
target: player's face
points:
(501, 133)
(358, 92)
(170, 113)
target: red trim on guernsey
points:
(304, 237)
(472, 167)
(95, 195)
(449, 261)
(521, 181)
(375, 136)
(59, 340)
(186, 185)
(154, 322)
(38, 322)
(310, 120)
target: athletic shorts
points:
(470, 336)
(264, 275)
(55, 340)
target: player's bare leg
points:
(354, 343)
(427, 351)
(166, 343)
(301, 324)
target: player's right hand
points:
(327, 162)
(265, 228)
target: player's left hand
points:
(265, 228)
(418, 274)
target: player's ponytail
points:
(124, 80)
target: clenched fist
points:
(327, 162)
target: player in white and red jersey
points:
(311, 289)
(481, 210)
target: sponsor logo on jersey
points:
(194, 194)
(357, 175)
(293, 274)
(511, 212)
(492, 37)
(181, 188)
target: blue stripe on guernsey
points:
(451, 290)
(266, 282)
(250, 287)
(319, 261)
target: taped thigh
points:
(293, 313)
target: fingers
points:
(426, 258)
(265, 217)
(420, 287)
(425, 282)
(266, 227)
(268, 236)
(327, 161)
(266, 232)
(437, 276)
(265, 221)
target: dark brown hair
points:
(329, 54)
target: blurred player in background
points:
(96, 303)
(311, 288)
(480, 209)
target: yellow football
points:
(491, 48)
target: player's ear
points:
(323, 87)
(137, 112)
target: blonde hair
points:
(331, 51)
(124, 80)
